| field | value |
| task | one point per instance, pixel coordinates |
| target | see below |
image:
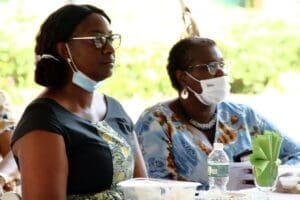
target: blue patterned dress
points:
(176, 150)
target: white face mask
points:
(214, 90)
(79, 78)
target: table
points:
(256, 194)
(247, 194)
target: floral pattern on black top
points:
(123, 164)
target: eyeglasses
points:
(211, 68)
(101, 40)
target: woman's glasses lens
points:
(114, 40)
(212, 67)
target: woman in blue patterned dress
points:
(72, 142)
(176, 136)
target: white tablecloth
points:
(247, 194)
(256, 194)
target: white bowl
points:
(158, 189)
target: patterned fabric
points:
(6, 120)
(123, 164)
(92, 159)
(176, 150)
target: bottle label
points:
(218, 170)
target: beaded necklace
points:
(201, 126)
(204, 126)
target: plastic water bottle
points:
(218, 168)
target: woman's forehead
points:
(205, 54)
(93, 23)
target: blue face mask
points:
(79, 78)
(83, 81)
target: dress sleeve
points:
(6, 120)
(156, 146)
(290, 150)
(37, 116)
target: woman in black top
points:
(71, 142)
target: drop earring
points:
(184, 94)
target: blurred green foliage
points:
(140, 72)
(16, 50)
(260, 49)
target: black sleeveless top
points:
(90, 159)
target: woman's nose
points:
(221, 72)
(108, 48)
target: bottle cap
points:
(218, 145)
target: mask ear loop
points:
(70, 59)
(192, 77)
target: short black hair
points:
(179, 56)
(58, 27)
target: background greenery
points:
(262, 49)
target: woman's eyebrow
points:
(99, 32)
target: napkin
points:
(264, 158)
(240, 176)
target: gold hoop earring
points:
(184, 94)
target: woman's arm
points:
(258, 124)
(290, 152)
(140, 167)
(155, 145)
(290, 149)
(43, 165)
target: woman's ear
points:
(181, 77)
(62, 50)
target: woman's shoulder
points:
(159, 111)
(43, 101)
(42, 105)
(40, 114)
(162, 107)
(115, 110)
(43, 113)
(111, 100)
(41, 109)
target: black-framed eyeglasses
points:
(100, 40)
(211, 67)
